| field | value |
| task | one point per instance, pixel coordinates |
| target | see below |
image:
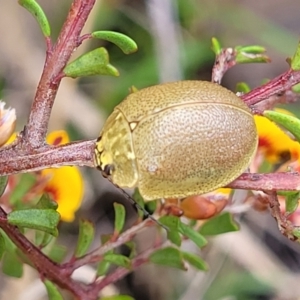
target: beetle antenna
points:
(139, 207)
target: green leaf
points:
(102, 268)
(132, 248)
(195, 261)
(193, 235)
(125, 43)
(2, 245)
(46, 202)
(120, 215)
(174, 237)
(85, 238)
(41, 219)
(252, 49)
(53, 292)
(118, 259)
(11, 265)
(58, 253)
(9, 245)
(95, 62)
(137, 197)
(291, 123)
(295, 62)
(168, 256)
(3, 184)
(250, 54)
(242, 87)
(291, 201)
(38, 13)
(117, 297)
(172, 222)
(220, 224)
(296, 88)
(42, 239)
(216, 46)
(296, 232)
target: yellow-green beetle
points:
(177, 139)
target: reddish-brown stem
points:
(13, 161)
(36, 128)
(285, 227)
(275, 86)
(95, 255)
(223, 62)
(46, 267)
(267, 182)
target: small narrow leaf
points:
(11, 265)
(85, 238)
(246, 58)
(168, 256)
(250, 54)
(46, 202)
(9, 245)
(137, 197)
(242, 87)
(58, 253)
(3, 184)
(95, 62)
(220, 224)
(296, 88)
(2, 245)
(254, 49)
(291, 123)
(119, 217)
(132, 249)
(295, 61)
(174, 237)
(195, 261)
(296, 232)
(117, 297)
(125, 43)
(40, 219)
(172, 222)
(193, 235)
(42, 239)
(216, 46)
(102, 268)
(118, 259)
(291, 201)
(53, 292)
(34, 8)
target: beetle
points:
(177, 139)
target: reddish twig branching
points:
(30, 153)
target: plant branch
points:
(36, 128)
(284, 225)
(45, 266)
(278, 85)
(94, 256)
(13, 161)
(119, 273)
(267, 182)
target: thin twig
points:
(96, 255)
(13, 161)
(36, 128)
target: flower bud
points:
(199, 207)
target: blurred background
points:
(174, 39)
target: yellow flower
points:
(274, 142)
(64, 184)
